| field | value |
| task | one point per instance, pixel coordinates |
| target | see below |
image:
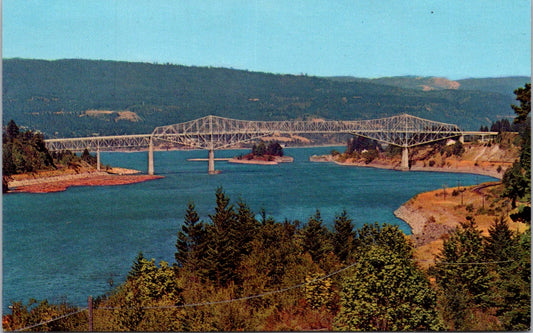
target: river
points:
(66, 246)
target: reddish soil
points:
(90, 180)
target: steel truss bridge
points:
(212, 133)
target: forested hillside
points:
(85, 97)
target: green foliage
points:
(318, 292)
(343, 237)
(385, 291)
(510, 287)
(23, 151)
(316, 238)
(359, 143)
(464, 285)
(517, 179)
(37, 312)
(191, 244)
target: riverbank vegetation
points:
(24, 152)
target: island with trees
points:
(264, 153)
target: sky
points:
(364, 38)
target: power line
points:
(51, 320)
(268, 293)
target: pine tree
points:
(222, 254)
(501, 243)
(316, 238)
(191, 242)
(136, 268)
(343, 236)
(510, 289)
(517, 179)
(245, 228)
(463, 280)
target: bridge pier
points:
(405, 159)
(211, 162)
(151, 158)
(98, 158)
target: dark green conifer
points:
(463, 279)
(343, 236)
(316, 238)
(191, 242)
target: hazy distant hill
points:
(85, 97)
(502, 85)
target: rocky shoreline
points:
(480, 168)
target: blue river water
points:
(66, 246)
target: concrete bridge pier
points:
(98, 158)
(211, 162)
(151, 158)
(405, 159)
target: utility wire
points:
(268, 293)
(49, 321)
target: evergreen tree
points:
(316, 238)
(191, 242)
(12, 130)
(222, 255)
(136, 268)
(245, 229)
(510, 288)
(501, 243)
(343, 236)
(386, 235)
(517, 179)
(462, 277)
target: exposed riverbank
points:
(48, 182)
(433, 215)
(492, 169)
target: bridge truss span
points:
(213, 132)
(405, 130)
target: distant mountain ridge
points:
(73, 97)
(501, 85)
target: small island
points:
(271, 154)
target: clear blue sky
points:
(365, 38)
